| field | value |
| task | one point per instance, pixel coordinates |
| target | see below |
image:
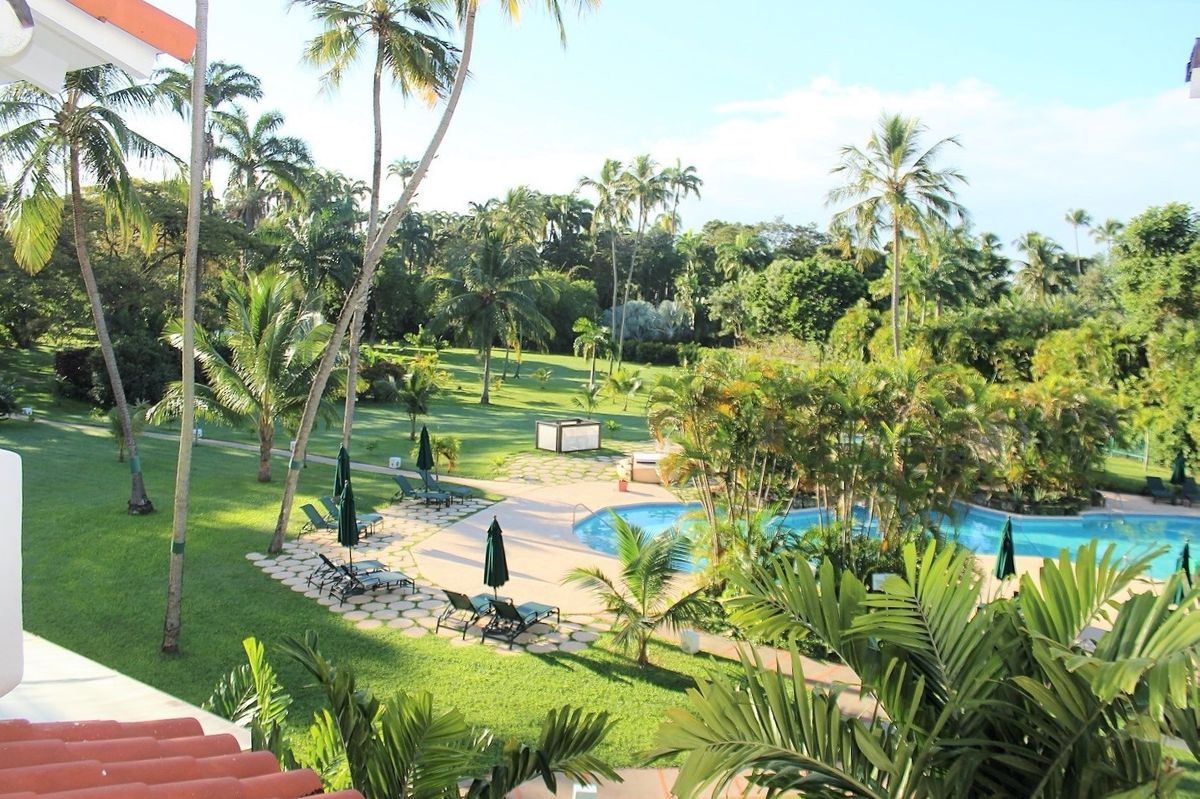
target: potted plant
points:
(623, 472)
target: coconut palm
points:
(58, 141)
(415, 392)
(645, 599)
(592, 340)
(1000, 698)
(262, 164)
(274, 342)
(224, 85)
(1077, 218)
(401, 34)
(197, 178)
(491, 283)
(1106, 233)
(643, 188)
(612, 209)
(894, 184)
(1041, 272)
(466, 12)
(681, 181)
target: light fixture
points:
(16, 28)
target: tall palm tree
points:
(593, 339)
(681, 181)
(225, 84)
(466, 12)
(1077, 218)
(274, 342)
(893, 183)
(59, 140)
(1106, 233)
(643, 188)
(401, 35)
(261, 162)
(651, 566)
(491, 283)
(197, 178)
(1041, 272)
(612, 210)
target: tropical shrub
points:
(8, 399)
(446, 448)
(975, 698)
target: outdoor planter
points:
(689, 641)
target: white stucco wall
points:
(11, 649)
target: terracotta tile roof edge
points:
(143, 21)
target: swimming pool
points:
(977, 528)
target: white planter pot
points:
(689, 641)
(393, 462)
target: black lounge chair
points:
(463, 610)
(1189, 491)
(329, 572)
(366, 521)
(352, 584)
(315, 521)
(509, 621)
(407, 490)
(1157, 490)
(432, 483)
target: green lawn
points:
(1128, 475)
(95, 582)
(488, 432)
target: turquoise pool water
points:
(978, 528)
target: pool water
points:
(1132, 534)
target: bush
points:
(8, 398)
(73, 373)
(146, 363)
(662, 353)
(384, 390)
(380, 373)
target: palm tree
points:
(1077, 218)
(681, 181)
(980, 698)
(415, 392)
(491, 283)
(261, 163)
(466, 11)
(197, 178)
(593, 339)
(224, 84)
(1041, 273)
(1106, 233)
(643, 602)
(274, 343)
(641, 185)
(58, 140)
(613, 209)
(405, 47)
(894, 184)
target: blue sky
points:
(1057, 104)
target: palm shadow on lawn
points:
(624, 670)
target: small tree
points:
(650, 567)
(586, 399)
(415, 392)
(593, 340)
(137, 423)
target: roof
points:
(140, 760)
(73, 34)
(1193, 70)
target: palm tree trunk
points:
(612, 242)
(357, 323)
(896, 289)
(637, 241)
(359, 291)
(172, 620)
(266, 436)
(592, 371)
(484, 397)
(139, 503)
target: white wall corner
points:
(12, 659)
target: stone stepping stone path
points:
(413, 613)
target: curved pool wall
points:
(1132, 534)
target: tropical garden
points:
(885, 367)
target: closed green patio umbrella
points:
(348, 521)
(1006, 558)
(1184, 564)
(425, 451)
(495, 564)
(341, 472)
(1179, 470)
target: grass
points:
(1128, 475)
(94, 581)
(489, 433)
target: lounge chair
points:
(433, 484)
(463, 610)
(315, 521)
(329, 572)
(407, 490)
(1189, 491)
(366, 521)
(352, 584)
(1157, 491)
(509, 621)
